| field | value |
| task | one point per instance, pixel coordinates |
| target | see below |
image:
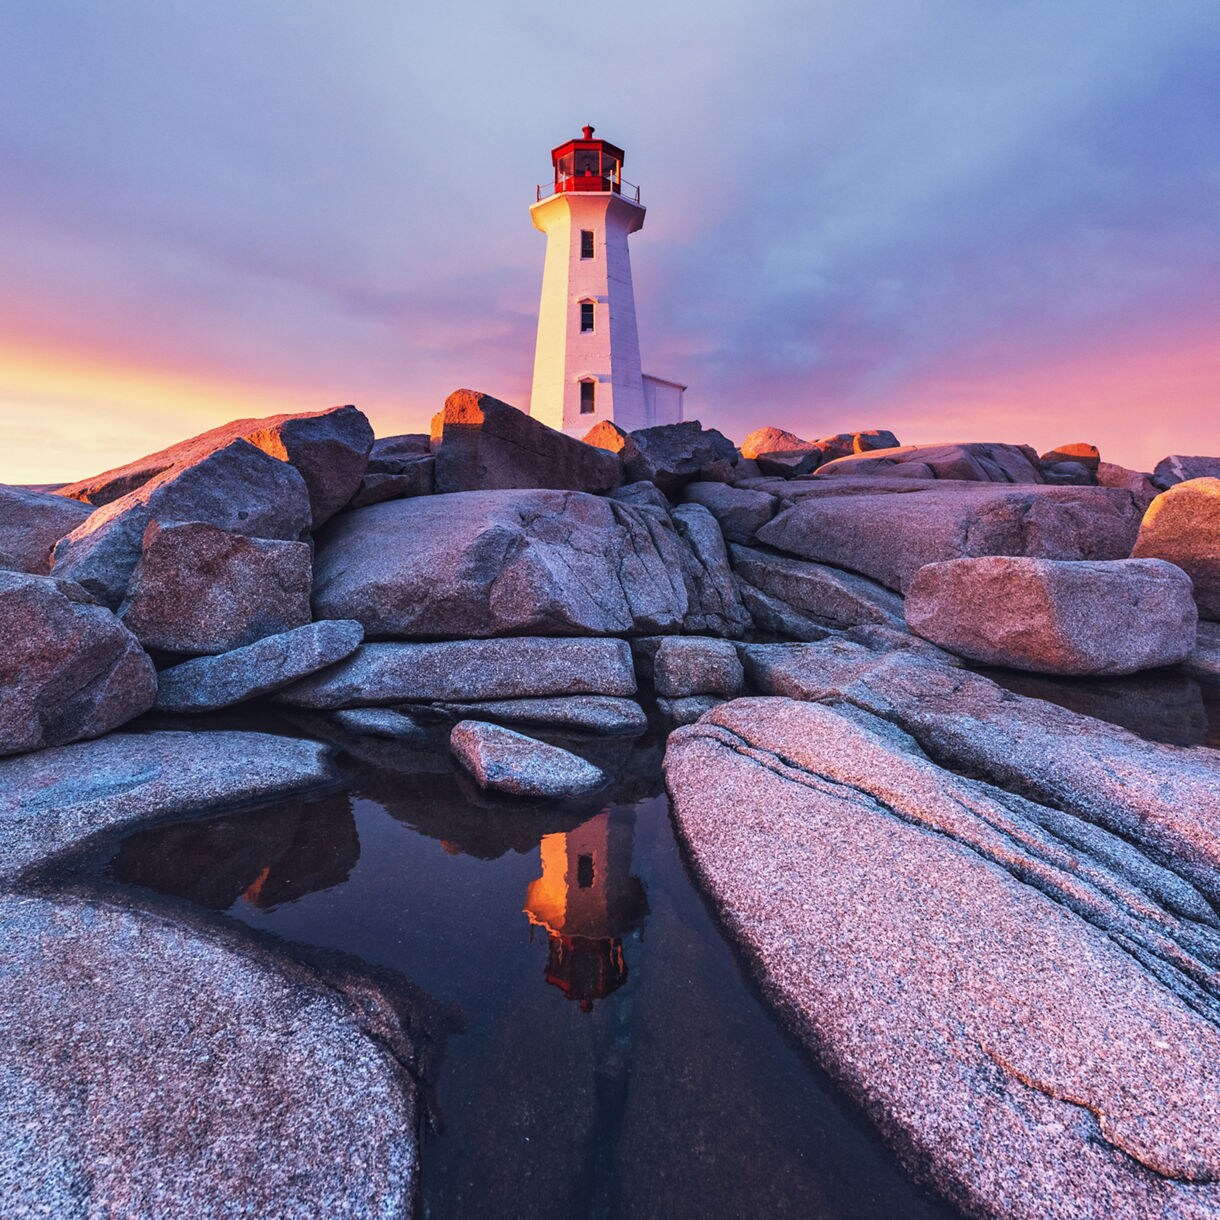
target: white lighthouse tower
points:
(587, 360)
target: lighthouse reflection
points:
(587, 900)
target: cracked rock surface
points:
(1026, 1001)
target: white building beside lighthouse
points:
(587, 360)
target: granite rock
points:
(1204, 662)
(714, 602)
(1178, 469)
(200, 589)
(1080, 453)
(602, 714)
(31, 523)
(739, 511)
(390, 454)
(488, 563)
(971, 462)
(1138, 482)
(1056, 617)
(673, 455)
(69, 669)
(1182, 525)
(771, 440)
(415, 477)
(238, 489)
(469, 670)
(506, 761)
(687, 708)
(483, 444)
(383, 722)
(207, 684)
(691, 665)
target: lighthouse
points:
(587, 360)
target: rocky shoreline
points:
(993, 918)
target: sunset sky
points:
(957, 220)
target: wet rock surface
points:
(199, 589)
(1182, 525)
(507, 761)
(489, 563)
(31, 523)
(1034, 1024)
(292, 1108)
(1056, 617)
(69, 669)
(209, 683)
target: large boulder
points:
(207, 684)
(974, 462)
(1013, 994)
(329, 449)
(890, 535)
(31, 523)
(484, 444)
(1138, 482)
(155, 1068)
(238, 488)
(1055, 617)
(1178, 469)
(1182, 525)
(785, 454)
(199, 589)
(504, 760)
(69, 669)
(715, 605)
(673, 455)
(1079, 453)
(489, 563)
(739, 511)
(694, 665)
(466, 670)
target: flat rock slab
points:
(1056, 617)
(55, 799)
(69, 670)
(585, 713)
(694, 665)
(1182, 525)
(149, 1071)
(464, 670)
(994, 997)
(383, 722)
(506, 761)
(973, 461)
(207, 684)
(31, 523)
(889, 536)
(487, 563)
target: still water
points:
(606, 1053)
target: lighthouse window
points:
(586, 316)
(587, 401)
(586, 243)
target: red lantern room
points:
(589, 165)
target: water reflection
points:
(587, 900)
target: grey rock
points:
(1068, 474)
(383, 722)
(153, 1069)
(468, 670)
(1182, 525)
(774, 616)
(329, 449)
(1138, 482)
(199, 589)
(642, 495)
(739, 511)
(207, 684)
(714, 601)
(413, 478)
(673, 455)
(974, 461)
(1204, 662)
(31, 523)
(56, 799)
(689, 665)
(490, 563)
(506, 761)
(483, 444)
(239, 489)
(1054, 617)
(790, 463)
(829, 596)
(1011, 992)
(390, 454)
(69, 669)
(890, 535)
(1178, 469)
(689, 708)
(604, 714)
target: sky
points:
(955, 219)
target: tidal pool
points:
(607, 1054)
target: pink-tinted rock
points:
(696, 665)
(1182, 525)
(416, 477)
(69, 670)
(483, 444)
(200, 589)
(504, 760)
(1138, 482)
(673, 455)
(31, 523)
(1080, 452)
(739, 511)
(239, 489)
(329, 449)
(771, 440)
(1056, 617)
(1005, 988)
(974, 462)
(890, 535)
(714, 604)
(1178, 468)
